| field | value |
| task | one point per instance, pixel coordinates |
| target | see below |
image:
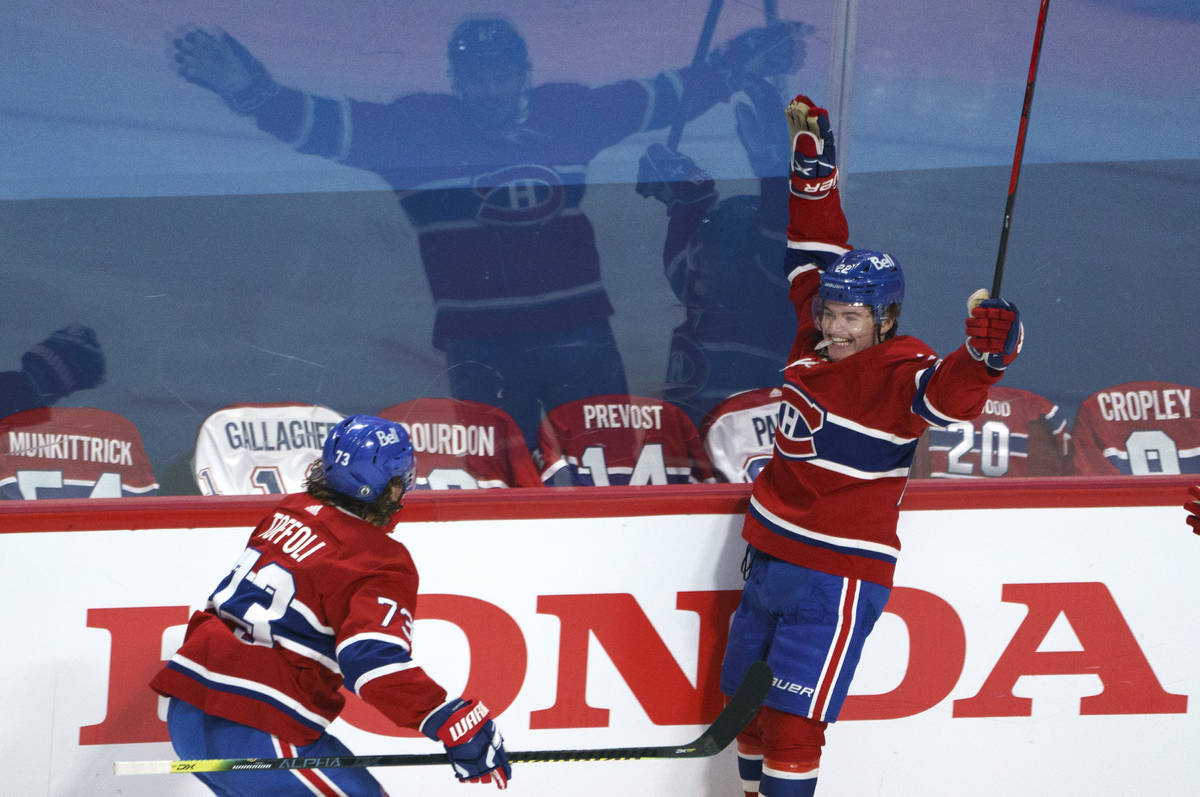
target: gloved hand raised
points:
(994, 331)
(69, 360)
(814, 155)
(223, 65)
(474, 745)
(672, 178)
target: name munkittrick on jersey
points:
(72, 452)
(829, 497)
(503, 238)
(1138, 429)
(621, 440)
(318, 598)
(464, 444)
(1018, 434)
(246, 449)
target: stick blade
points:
(742, 707)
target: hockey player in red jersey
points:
(321, 597)
(821, 525)
(1193, 507)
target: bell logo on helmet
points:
(386, 436)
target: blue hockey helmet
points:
(363, 453)
(486, 43)
(864, 277)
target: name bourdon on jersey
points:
(519, 195)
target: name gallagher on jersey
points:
(277, 435)
(70, 446)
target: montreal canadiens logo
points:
(517, 195)
(799, 419)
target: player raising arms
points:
(821, 525)
(321, 596)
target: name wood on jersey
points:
(78, 447)
(452, 438)
(293, 537)
(277, 435)
(1168, 404)
(622, 416)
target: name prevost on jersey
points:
(83, 448)
(277, 435)
(629, 416)
(1146, 405)
(452, 438)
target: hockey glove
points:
(761, 130)
(1193, 506)
(777, 49)
(472, 742)
(224, 66)
(69, 360)
(814, 156)
(995, 333)
(672, 178)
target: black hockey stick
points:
(685, 100)
(1020, 151)
(729, 723)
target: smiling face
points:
(849, 328)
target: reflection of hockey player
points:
(69, 360)
(1193, 507)
(607, 440)
(321, 597)
(823, 511)
(1019, 433)
(739, 433)
(1139, 429)
(244, 449)
(492, 178)
(464, 444)
(721, 259)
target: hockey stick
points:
(1020, 151)
(728, 724)
(685, 101)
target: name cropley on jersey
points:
(1019, 433)
(319, 597)
(739, 433)
(503, 238)
(829, 498)
(621, 440)
(72, 452)
(244, 449)
(1138, 429)
(464, 444)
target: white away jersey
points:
(1018, 434)
(72, 452)
(1138, 429)
(739, 433)
(621, 440)
(247, 448)
(464, 444)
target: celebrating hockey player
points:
(492, 177)
(321, 596)
(821, 525)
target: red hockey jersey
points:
(739, 433)
(319, 597)
(1138, 429)
(607, 440)
(829, 497)
(1019, 433)
(72, 452)
(464, 444)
